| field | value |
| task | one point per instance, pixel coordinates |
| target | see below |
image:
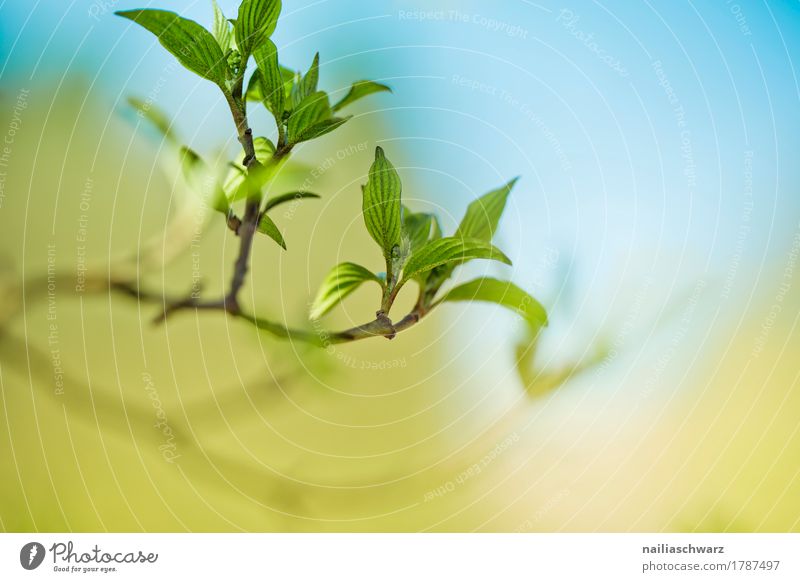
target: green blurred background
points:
(677, 266)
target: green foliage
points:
(483, 214)
(221, 30)
(269, 79)
(342, 280)
(358, 90)
(419, 228)
(381, 203)
(239, 184)
(255, 24)
(449, 250)
(155, 116)
(301, 111)
(414, 249)
(264, 149)
(242, 184)
(318, 129)
(307, 85)
(288, 197)
(503, 293)
(193, 45)
(268, 227)
(312, 118)
(200, 176)
(411, 243)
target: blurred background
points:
(657, 218)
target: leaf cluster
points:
(412, 244)
(301, 110)
(414, 249)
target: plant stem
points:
(246, 228)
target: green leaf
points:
(313, 110)
(269, 73)
(190, 161)
(450, 250)
(200, 177)
(255, 91)
(269, 228)
(234, 184)
(320, 129)
(307, 84)
(242, 184)
(264, 149)
(503, 293)
(418, 228)
(483, 214)
(155, 116)
(289, 77)
(255, 24)
(381, 203)
(193, 45)
(221, 29)
(288, 197)
(342, 280)
(255, 88)
(436, 229)
(219, 201)
(358, 90)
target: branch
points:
(245, 227)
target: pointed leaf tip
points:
(483, 214)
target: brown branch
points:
(381, 326)
(245, 227)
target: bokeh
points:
(657, 218)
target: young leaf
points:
(312, 110)
(436, 229)
(255, 88)
(450, 250)
(155, 116)
(483, 214)
(221, 29)
(307, 84)
(381, 203)
(190, 161)
(234, 181)
(256, 92)
(199, 176)
(288, 197)
(269, 228)
(269, 73)
(342, 280)
(289, 77)
(417, 227)
(264, 149)
(241, 184)
(321, 128)
(255, 24)
(358, 90)
(193, 45)
(503, 293)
